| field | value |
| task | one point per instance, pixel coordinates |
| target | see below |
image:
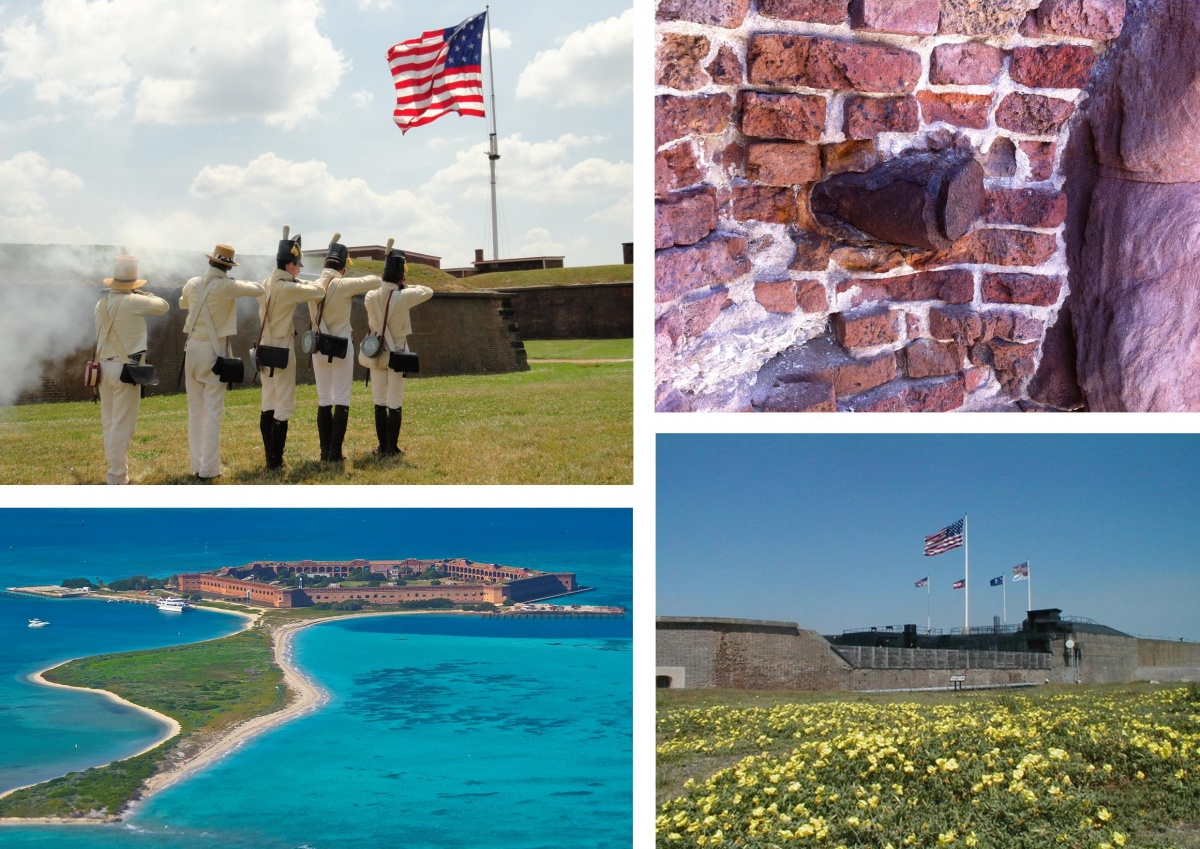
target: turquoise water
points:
(441, 731)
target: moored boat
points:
(173, 605)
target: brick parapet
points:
(753, 108)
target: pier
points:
(549, 611)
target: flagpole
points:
(967, 578)
(493, 153)
(1004, 587)
(1029, 584)
(928, 616)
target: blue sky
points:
(180, 125)
(827, 531)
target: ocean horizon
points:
(439, 730)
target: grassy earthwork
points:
(206, 687)
(1097, 767)
(558, 423)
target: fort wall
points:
(598, 311)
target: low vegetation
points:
(1097, 767)
(581, 276)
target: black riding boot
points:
(393, 431)
(278, 442)
(264, 426)
(381, 416)
(324, 429)
(341, 418)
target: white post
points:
(967, 578)
(1029, 584)
(493, 153)
(1004, 588)
(928, 617)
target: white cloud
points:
(362, 99)
(592, 66)
(538, 171)
(191, 61)
(501, 40)
(538, 241)
(29, 186)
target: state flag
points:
(996, 582)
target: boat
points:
(173, 605)
(37, 623)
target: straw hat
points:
(125, 275)
(222, 254)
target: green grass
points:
(579, 349)
(423, 275)
(204, 686)
(581, 276)
(559, 423)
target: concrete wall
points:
(599, 311)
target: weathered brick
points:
(678, 61)
(811, 296)
(668, 328)
(1027, 328)
(1026, 207)
(1013, 358)
(1041, 159)
(1052, 66)
(719, 13)
(776, 296)
(799, 117)
(676, 117)
(668, 399)
(1033, 114)
(876, 258)
(955, 286)
(1001, 158)
(866, 328)
(867, 117)
(952, 107)
(817, 62)
(1034, 289)
(700, 311)
(931, 395)
(1029, 27)
(971, 63)
(764, 203)
(1096, 19)
(812, 252)
(982, 17)
(810, 11)
(730, 158)
(783, 163)
(717, 259)
(855, 155)
(823, 360)
(974, 378)
(993, 247)
(813, 397)
(684, 218)
(1056, 381)
(929, 358)
(675, 167)
(726, 67)
(907, 17)
(962, 324)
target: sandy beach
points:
(306, 697)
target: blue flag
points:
(996, 582)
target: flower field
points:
(1088, 767)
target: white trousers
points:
(119, 404)
(387, 386)
(279, 392)
(334, 379)
(206, 405)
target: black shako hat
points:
(338, 253)
(289, 249)
(393, 266)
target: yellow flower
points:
(1118, 838)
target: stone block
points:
(1033, 114)
(726, 67)
(783, 163)
(797, 398)
(875, 258)
(971, 63)
(776, 296)
(764, 203)
(993, 247)
(930, 358)
(867, 117)
(811, 296)
(809, 11)
(849, 156)
(676, 117)
(1055, 382)
(952, 107)
(1052, 66)
(1034, 289)
(931, 395)
(812, 252)
(867, 328)
(1041, 158)
(1100, 20)
(983, 17)
(684, 218)
(828, 63)
(799, 117)
(678, 61)
(701, 310)
(1013, 359)
(1025, 207)
(1001, 158)
(675, 168)
(821, 360)
(718, 13)
(717, 259)
(906, 17)
(961, 324)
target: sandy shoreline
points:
(307, 697)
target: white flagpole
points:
(928, 617)
(1004, 587)
(493, 153)
(1029, 584)
(967, 578)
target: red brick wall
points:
(758, 306)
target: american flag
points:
(438, 73)
(924, 582)
(1021, 572)
(960, 585)
(948, 538)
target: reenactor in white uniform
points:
(211, 302)
(120, 319)
(335, 374)
(393, 299)
(282, 292)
